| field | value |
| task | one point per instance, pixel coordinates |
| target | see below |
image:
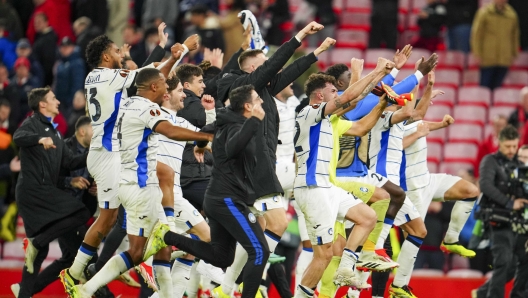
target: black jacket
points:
(235, 157)
(211, 87)
(45, 50)
(268, 82)
(495, 170)
(461, 11)
(39, 200)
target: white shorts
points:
(143, 208)
(322, 207)
(371, 178)
(266, 203)
(438, 185)
(105, 168)
(407, 213)
(185, 215)
(286, 174)
(301, 222)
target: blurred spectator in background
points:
(520, 115)
(280, 14)
(7, 47)
(140, 51)
(23, 49)
(45, 46)
(491, 143)
(23, 82)
(95, 10)
(8, 93)
(85, 32)
(157, 11)
(131, 35)
(24, 9)
(117, 20)
(69, 75)
(78, 110)
(208, 27)
(384, 24)
(58, 14)
(522, 154)
(14, 29)
(431, 19)
(521, 7)
(460, 15)
(495, 41)
(232, 28)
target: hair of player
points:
(508, 133)
(523, 147)
(36, 96)
(248, 54)
(336, 70)
(146, 76)
(186, 72)
(172, 82)
(304, 102)
(317, 81)
(82, 121)
(199, 9)
(240, 96)
(4, 103)
(209, 71)
(95, 50)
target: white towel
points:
(257, 42)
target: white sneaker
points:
(15, 289)
(346, 277)
(213, 273)
(30, 253)
(370, 261)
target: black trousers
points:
(230, 221)
(194, 192)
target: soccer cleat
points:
(69, 283)
(127, 279)
(361, 287)
(275, 258)
(15, 289)
(146, 272)
(155, 241)
(218, 293)
(392, 97)
(258, 295)
(346, 277)
(177, 254)
(403, 292)
(370, 261)
(104, 291)
(456, 248)
(213, 273)
(30, 253)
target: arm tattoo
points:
(337, 102)
(367, 90)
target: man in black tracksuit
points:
(48, 212)
(231, 192)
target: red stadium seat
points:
(453, 167)
(449, 98)
(464, 152)
(372, 55)
(497, 111)
(404, 6)
(521, 62)
(474, 96)
(412, 22)
(418, 5)
(447, 77)
(470, 114)
(338, 5)
(471, 77)
(488, 130)
(465, 133)
(437, 136)
(352, 38)
(436, 112)
(451, 59)
(434, 152)
(416, 54)
(358, 5)
(432, 166)
(506, 97)
(344, 56)
(516, 78)
(472, 62)
(354, 20)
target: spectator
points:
(139, 52)
(210, 34)
(384, 24)
(491, 143)
(460, 15)
(78, 110)
(117, 20)
(95, 10)
(431, 19)
(232, 28)
(70, 74)
(131, 35)
(522, 154)
(280, 14)
(23, 49)
(7, 47)
(157, 11)
(85, 32)
(9, 94)
(24, 82)
(495, 41)
(521, 7)
(45, 46)
(520, 115)
(14, 26)
(58, 13)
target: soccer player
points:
(321, 202)
(139, 123)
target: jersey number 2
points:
(93, 101)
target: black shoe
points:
(103, 292)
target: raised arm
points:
(179, 133)
(363, 126)
(422, 130)
(238, 140)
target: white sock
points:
(181, 275)
(272, 239)
(194, 282)
(406, 259)
(162, 275)
(84, 255)
(348, 259)
(172, 223)
(234, 270)
(459, 216)
(305, 257)
(116, 266)
(387, 225)
(303, 292)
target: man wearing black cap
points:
(69, 76)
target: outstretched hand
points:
(163, 37)
(324, 46)
(400, 58)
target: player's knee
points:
(276, 221)
(370, 217)
(323, 253)
(397, 195)
(420, 231)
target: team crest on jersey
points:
(275, 199)
(155, 113)
(252, 218)
(331, 231)
(124, 73)
(196, 213)
(363, 189)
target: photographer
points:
(501, 202)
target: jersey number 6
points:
(92, 100)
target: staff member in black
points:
(230, 192)
(47, 211)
